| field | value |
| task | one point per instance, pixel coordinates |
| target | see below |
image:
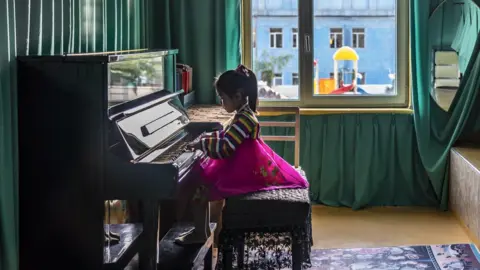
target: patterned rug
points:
(456, 256)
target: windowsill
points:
(209, 109)
(216, 113)
(324, 111)
(317, 111)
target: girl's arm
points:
(223, 143)
(211, 134)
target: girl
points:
(238, 161)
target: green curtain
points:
(358, 160)
(8, 174)
(466, 34)
(207, 34)
(435, 130)
(41, 27)
(443, 23)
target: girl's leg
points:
(201, 218)
(185, 191)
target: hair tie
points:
(241, 69)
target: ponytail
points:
(252, 91)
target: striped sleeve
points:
(224, 143)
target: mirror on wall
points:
(445, 30)
(445, 77)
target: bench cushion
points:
(274, 208)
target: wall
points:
(34, 27)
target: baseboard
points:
(469, 233)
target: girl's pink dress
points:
(252, 167)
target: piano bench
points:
(262, 218)
(175, 257)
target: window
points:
(276, 38)
(336, 37)
(295, 79)
(358, 38)
(277, 79)
(328, 39)
(295, 38)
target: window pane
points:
(342, 35)
(295, 80)
(336, 37)
(294, 37)
(278, 40)
(358, 38)
(275, 57)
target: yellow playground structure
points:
(325, 86)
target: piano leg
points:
(168, 217)
(148, 255)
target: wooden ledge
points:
(325, 111)
(277, 111)
(316, 111)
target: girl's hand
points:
(194, 146)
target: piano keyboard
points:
(177, 149)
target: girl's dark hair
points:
(241, 79)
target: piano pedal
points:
(191, 238)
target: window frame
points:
(357, 34)
(274, 34)
(275, 77)
(305, 32)
(295, 75)
(335, 34)
(294, 34)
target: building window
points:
(276, 37)
(277, 79)
(336, 50)
(295, 38)
(358, 37)
(336, 37)
(295, 79)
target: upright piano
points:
(96, 127)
